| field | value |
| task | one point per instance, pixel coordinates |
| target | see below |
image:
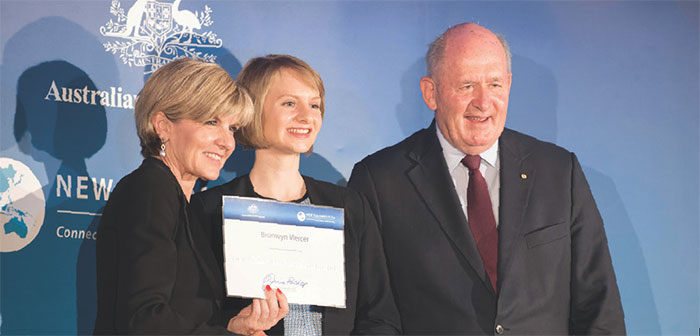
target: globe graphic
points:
(22, 205)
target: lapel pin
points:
(523, 176)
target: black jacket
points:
(156, 273)
(555, 274)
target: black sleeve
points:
(206, 206)
(361, 181)
(148, 218)
(376, 311)
(595, 299)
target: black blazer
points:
(370, 307)
(554, 270)
(156, 273)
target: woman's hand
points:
(260, 315)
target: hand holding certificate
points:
(298, 248)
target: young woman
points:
(289, 107)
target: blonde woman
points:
(156, 273)
(289, 109)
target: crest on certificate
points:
(253, 209)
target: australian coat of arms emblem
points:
(151, 33)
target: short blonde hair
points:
(188, 88)
(257, 76)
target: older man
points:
(487, 230)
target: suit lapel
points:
(433, 183)
(316, 196)
(240, 186)
(517, 175)
(199, 243)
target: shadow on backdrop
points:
(628, 258)
(318, 167)
(533, 111)
(411, 112)
(57, 273)
(532, 108)
(69, 133)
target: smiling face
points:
(291, 115)
(198, 149)
(469, 90)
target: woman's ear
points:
(162, 125)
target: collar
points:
(453, 156)
(252, 190)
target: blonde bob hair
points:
(257, 76)
(188, 88)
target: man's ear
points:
(162, 125)
(429, 89)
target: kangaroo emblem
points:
(151, 33)
(133, 18)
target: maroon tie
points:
(481, 219)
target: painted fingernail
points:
(279, 291)
(268, 288)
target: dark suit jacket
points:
(554, 269)
(370, 305)
(156, 273)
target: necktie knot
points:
(472, 162)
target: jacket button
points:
(499, 329)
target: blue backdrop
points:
(615, 82)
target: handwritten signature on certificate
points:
(272, 280)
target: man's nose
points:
(481, 99)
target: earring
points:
(162, 148)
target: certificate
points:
(298, 248)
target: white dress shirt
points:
(489, 168)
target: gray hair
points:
(436, 51)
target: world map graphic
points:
(22, 205)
